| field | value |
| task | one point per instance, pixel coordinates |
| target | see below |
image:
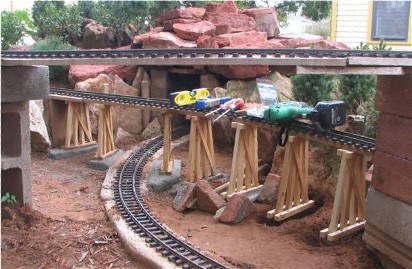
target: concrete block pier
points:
(19, 84)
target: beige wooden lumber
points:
(351, 70)
(167, 166)
(293, 189)
(348, 213)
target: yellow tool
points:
(183, 98)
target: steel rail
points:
(206, 56)
(341, 139)
(132, 206)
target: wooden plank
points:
(380, 61)
(166, 143)
(333, 236)
(69, 125)
(294, 210)
(229, 60)
(351, 70)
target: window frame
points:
(406, 42)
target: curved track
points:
(133, 208)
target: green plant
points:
(356, 89)
(9, 199)
(321, 28)
(312, 88)
(53, 18)
(14, 26)
(57, 72)
(367, 109)
(316, 10)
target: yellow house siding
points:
(350, 23)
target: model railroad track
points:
(132, 206)
(359, 142)
(203, 52)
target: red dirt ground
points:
(68, 227)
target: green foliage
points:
(9, 199)
(316, 10)
(312, 88)
(117, 15)
(356, 89)
(320, 28)
(14, 25)
(53, 18)
(367, 109)
(56, 72)
(283, 9)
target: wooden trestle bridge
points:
(348, 213)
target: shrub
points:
(321, 28)
(316, 10)
(57, 72)
(53, 18)
(356, 89)
(367, 109)
(312, 88)
(13, 28)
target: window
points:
(391, 21)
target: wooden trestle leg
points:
(244, 172)
(167, 140)
(293, 189)
(105, 141)
(78, 127)
(348, 213)
(202, 162)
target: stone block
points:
(237, 208)
(57, 122)
(388, 229)
(33, 86)
(184, 196)
(392, 176)
(158, 181)
(160, 83)
(394, 95)
(394, 136)
(270, 189)
(15, 151)
(207, 199)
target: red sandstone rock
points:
(188, 13)
(225, 7)
(184, 197)
(392, 176)
(207, 199)
(266, 20)
(396, 143)
(237, 208)
(300, 35)
(192, 31)
(240, 71)
(165, 40)
(237, 22)
(270, 44)
(206, 41)
(79, 73)
(168, 25)
(393, 95)
(237, 39)
(328, 44)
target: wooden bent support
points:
(293, 189)
(167, 143)
(202, 162)
(244, 172)
(78, 127)
(348, 213)
(105, 141)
